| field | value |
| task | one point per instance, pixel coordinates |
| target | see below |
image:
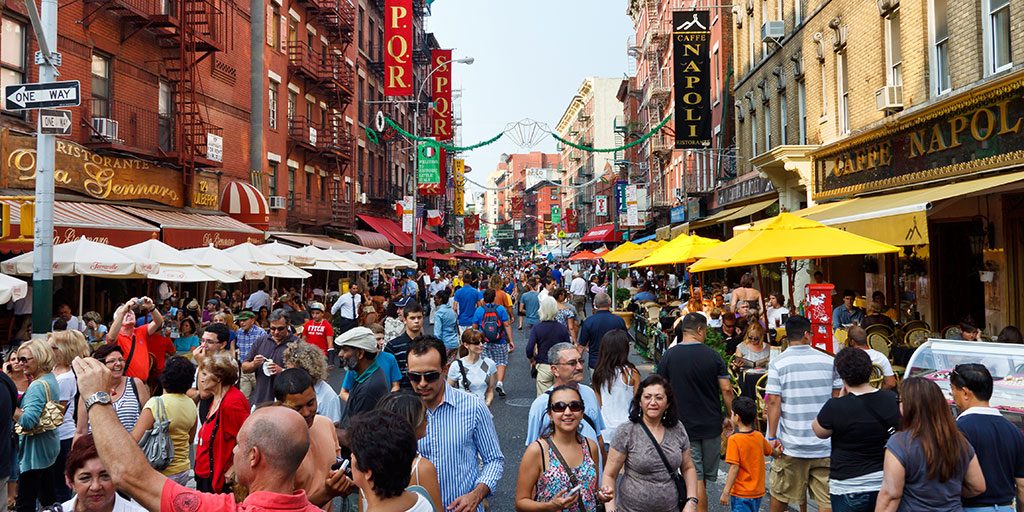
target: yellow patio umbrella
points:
(683, 249)
(622, 249)
(787, 237)
(637, 253)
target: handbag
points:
(51, 417)
(156, 442)
(676, 477)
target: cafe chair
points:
(952, 332)
(759, 389)
(916, 336)
(880, 342)
(877, 378)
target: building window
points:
(554, 193)
(362, 17)
(798, 12)
(824, 91)
(274, 26)
(291, 186)
(940, 47)
(893, 53)
(323, 189)
(293, 31)
(359, 94)
(801, 105)
(783, 120)
(753, 134)
(751, 42)
(996, 27)
(100, 85)
(716, 69)
(842, 94)
(767, 128)
(272, 178)
(309, 186)
(165, 115)
(293, 99)
(272, 104)
(12, 53)
(348, 192)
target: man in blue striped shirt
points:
(460, 431)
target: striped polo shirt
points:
(804, 378)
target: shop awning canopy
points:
(246, 203)
(184, 230)
(473, 255)
(731, 214)
(401, 240)
(101, 223)
(602, 233)
(436, 256)
(321, 241)
(682, 249)
(645, 239)
(370, 239)
(584, 256)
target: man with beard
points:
(293, 389)
(134, 340)
(358, 349)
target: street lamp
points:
(415, 131)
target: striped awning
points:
(246, 203)
(98, 222)
(187, 230)
(370, 239)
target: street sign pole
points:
(42, 240)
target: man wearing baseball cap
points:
(358, 350)
(318, 331)
(245, 337)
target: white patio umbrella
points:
(289, 254)
(84, 257)
(273, 265)
(225, 263)
(394, 259)
(176, 266)
(362, 260)
(12, 288)
(328, 260)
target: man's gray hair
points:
(278, 314)
(602, 300)
(558, 348)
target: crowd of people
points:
(179, 408)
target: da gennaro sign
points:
(962, 135)
(691, 37)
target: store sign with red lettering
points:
(398, 44)
(441, 95)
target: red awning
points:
(322, 242)
(602, 233)
(246, 203)
(186, 230)
(98, 222)
(370, 239)
(583, 255)
(431, 255)
(474, 256)
(432, 241)
(400, 241)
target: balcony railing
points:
(336, 74)
(302, 130)
(125, 126)
(336, 139)
(304, 60)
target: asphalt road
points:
(510, 414)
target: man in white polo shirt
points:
(800, 380)
(858, 337)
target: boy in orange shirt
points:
(744, 487)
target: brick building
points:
(900, 121)
(523, 211)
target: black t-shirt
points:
(694, 370)
(399, 347)
(731, 342)
(364, 395)
(999, 445)
(858, 438)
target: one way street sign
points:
(43, 95)
(55, 122)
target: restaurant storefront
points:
(946, 183)
(120, 200)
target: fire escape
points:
(656, 90)
(325, 139)
(186, 33)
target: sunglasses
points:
(425, 376)
(473, 342)
(275, 329)
(24, 360)
(574, 406)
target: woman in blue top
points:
(38, 451)
(187, 340)
(446, 322)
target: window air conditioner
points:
(677, 193)
(105, 128)
(889, 98)
(277, 202)
(362, 198)
(773, 30)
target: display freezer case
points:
(936, 358)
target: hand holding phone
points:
(575, 490)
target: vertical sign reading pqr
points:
(441, 94)
(691, 38)
(398, 48)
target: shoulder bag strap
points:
(573, 482)
(462, 370)
(673, 473)
(878, 417)
(131, 353)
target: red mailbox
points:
(819, 312)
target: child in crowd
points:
(716, 319)
(744, 487)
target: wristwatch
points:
(693, 499)
(100, 397)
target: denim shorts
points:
(854, 502)
(744, 504)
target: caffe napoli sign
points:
(956, 137)
(104, 177)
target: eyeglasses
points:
(574, 362)
(275, 328)
(425, 376)
(114, 361)
(24, 360)
(574, 406)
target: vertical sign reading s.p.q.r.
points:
(441, 94)
(691, 39)
(398, 47)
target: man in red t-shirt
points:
(270, 446)
(318, 331)
(127, 336)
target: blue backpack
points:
(491, 324)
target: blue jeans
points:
(856, 502)
(989, 508)
(744, 504)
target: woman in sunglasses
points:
(472, 371)
(653, 427)
(559, 470)
(37, 447)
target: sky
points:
(530, 57)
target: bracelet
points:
(693, 499)
(772, 438)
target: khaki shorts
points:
(545, 379)
(791, 478)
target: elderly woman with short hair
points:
(309, 357)
(38, 448)
(544, 335)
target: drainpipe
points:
(257, 38)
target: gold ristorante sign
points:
(963, 135)
(99, 176)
